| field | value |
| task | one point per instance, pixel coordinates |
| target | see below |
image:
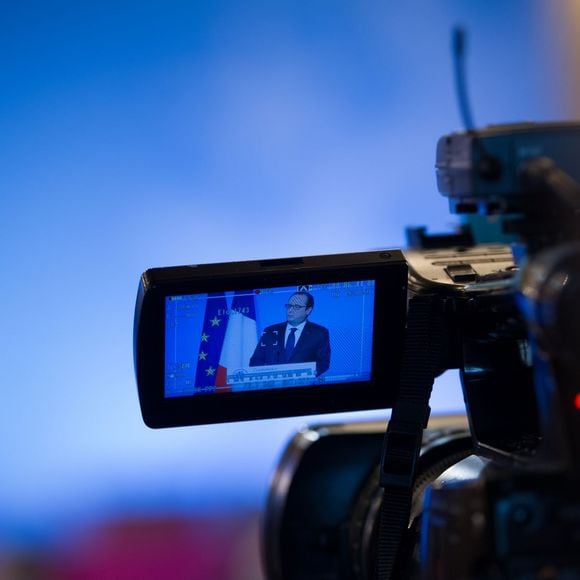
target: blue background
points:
(140, 134)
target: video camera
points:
(494, 496)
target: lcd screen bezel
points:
(390, 276)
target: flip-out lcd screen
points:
(261, 339)
(268, 338)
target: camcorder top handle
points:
(424, 348)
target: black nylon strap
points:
(421, 359)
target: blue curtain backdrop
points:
(141, 134)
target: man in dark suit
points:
(296, 340)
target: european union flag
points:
(211, 342)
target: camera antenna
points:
(489, 167)
(459, 41)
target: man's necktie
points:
(290, 343)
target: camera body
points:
(508, 319)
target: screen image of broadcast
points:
(241, 340)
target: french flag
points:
(241, 337)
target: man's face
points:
(296, 310)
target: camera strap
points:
(424, 344)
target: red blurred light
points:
(577, 401)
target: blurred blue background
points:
(140, 134)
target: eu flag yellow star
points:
(215, 321)
(204, 337)
(202, 355)
(210, 372)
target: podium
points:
(272, 376)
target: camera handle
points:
(424, 347)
